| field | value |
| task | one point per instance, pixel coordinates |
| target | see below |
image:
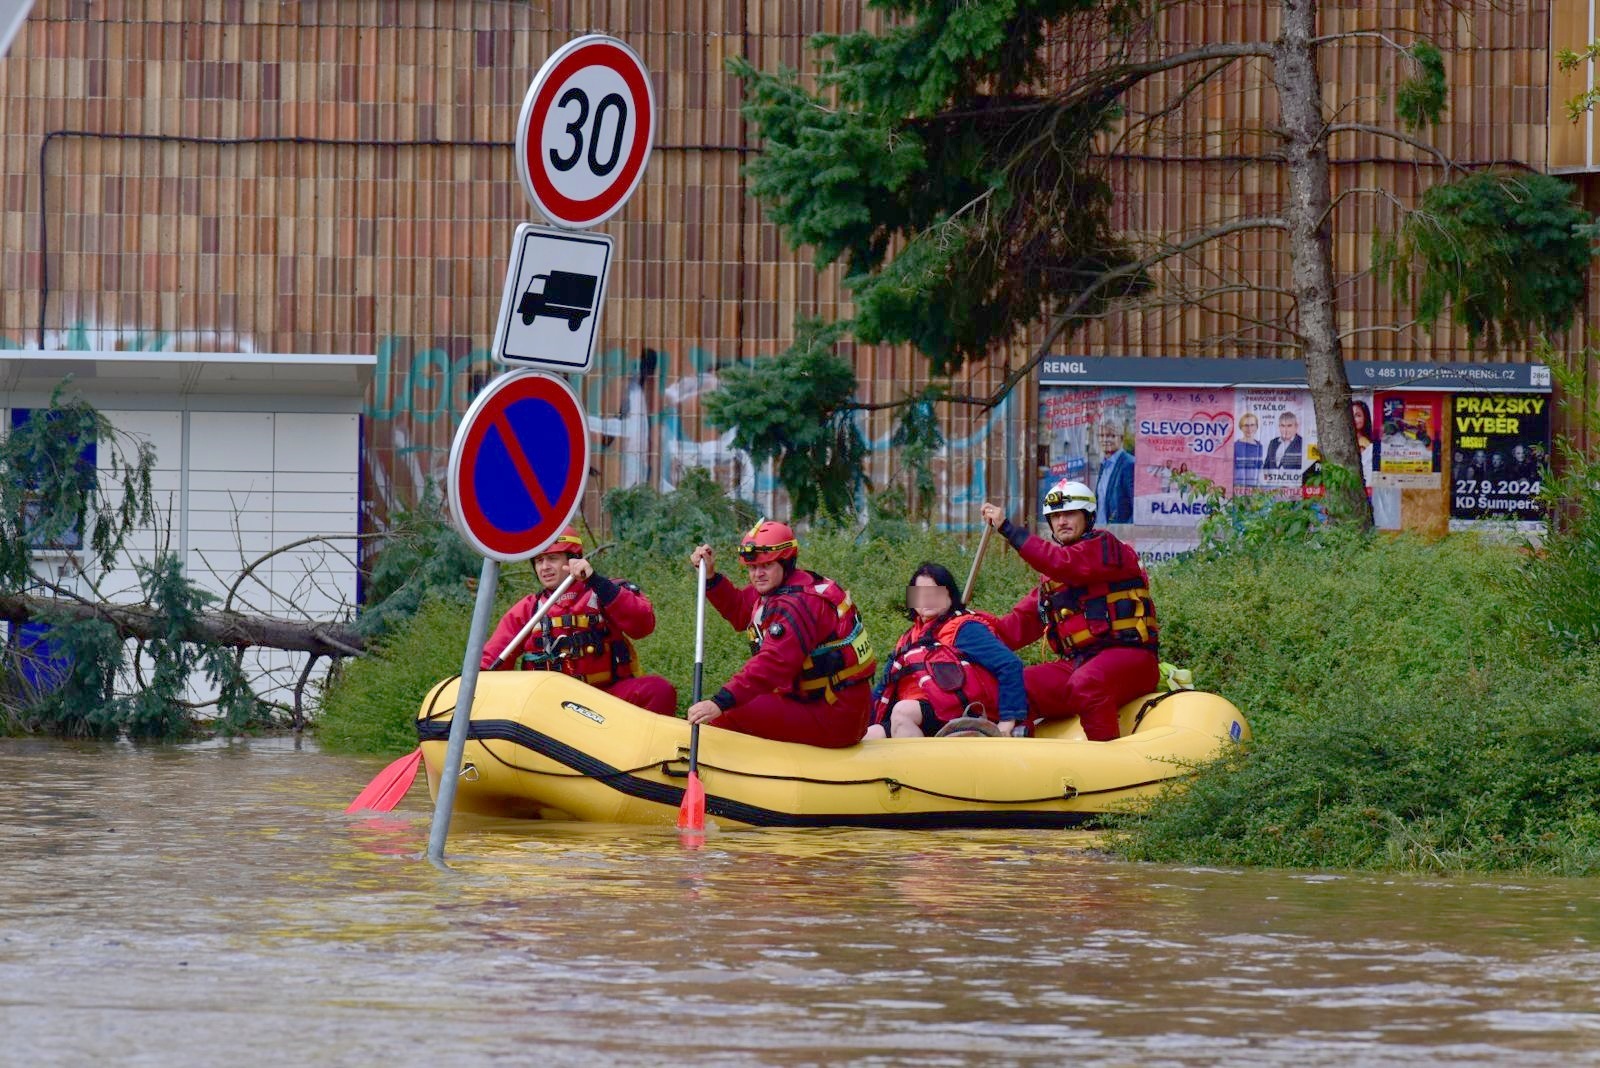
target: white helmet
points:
(1069, 496)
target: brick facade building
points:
(335, 177)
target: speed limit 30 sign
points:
(585, 132)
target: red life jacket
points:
(842, 658)
(1079, 620)
(911, 672)
(577, 639)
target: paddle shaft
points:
(527, 628)
(482, 609)
(977, 561)
(699, 665)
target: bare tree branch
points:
(1372, 190)
(1350, 35)
(299, 718)
(1385, 131)
(1383, 328)
(1149, 119)
(327, 539)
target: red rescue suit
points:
(809, 673)
(1094, 609)
(929, 642)
(588, 634)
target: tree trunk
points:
(219, 628)
(1299, 84)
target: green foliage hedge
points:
(1402, 719)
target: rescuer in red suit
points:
(809, 675)
(1092, 606)
(588, 633)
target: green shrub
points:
(674, 523)
(369, 704)
(1282, 631)
(1401, 719)
(1557, 585)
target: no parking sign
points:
(518, 465)
(585, 132)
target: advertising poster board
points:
(1385, 498)
(1467, 448)
(1409, 453)
(1179, 431)
(1081, 428)
(1285, 427)
(1501, 443)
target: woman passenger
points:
(947, 665)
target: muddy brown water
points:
(209, 904)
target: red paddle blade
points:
(389, 785)
(692, 813)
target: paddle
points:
(390, 785)
(977, 560)
(692, 812)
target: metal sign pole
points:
(482, 610)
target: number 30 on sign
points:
(585, 132)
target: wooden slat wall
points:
(394, 239)
(1572, 23)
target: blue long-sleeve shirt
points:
(979, 645)
(976, 643)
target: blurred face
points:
(1518, 453)
(1110, 439)
(1358, 416)
(927, 598)
(550, 568)
(1288, 426)
(1248, 425)
(1068, 527)
(766, 577)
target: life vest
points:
(577, 639)
(1079, 620)
(911, 672)
(844, 656)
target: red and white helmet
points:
(768, 541)
(1069, 496)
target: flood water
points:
(212, 904)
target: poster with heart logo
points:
(1180, 432)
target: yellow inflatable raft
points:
(544, 745)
